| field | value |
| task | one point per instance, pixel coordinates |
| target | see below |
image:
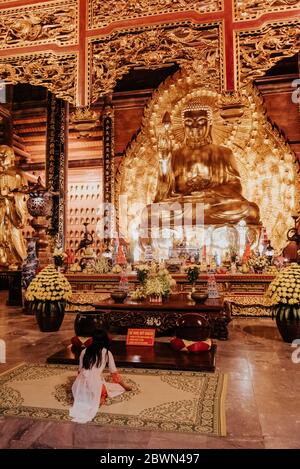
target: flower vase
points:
(155, 299)
(49, 314)
(289, 329)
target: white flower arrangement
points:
(154, 287)
(258, 262)
(142, 272)
(101, 266)
(59, 252)
(157, 282)
(139, 294)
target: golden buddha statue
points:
(200, 172)
(12, 210)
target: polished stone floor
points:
(262, 405)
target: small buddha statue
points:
(200, 171)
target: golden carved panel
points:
(249, 9)
(195, 48)
(54, 22)
(259, 49)
(102, 13)
(264, 160)
(56, 72)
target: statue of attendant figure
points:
(12, 210)
(200, 171)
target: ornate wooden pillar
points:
(6, 127)
(108, 173)
(57, 164)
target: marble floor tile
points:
(177, 440)
(272, 442)
(277, 425)
(235, 443)
(21, 433)
(92, 436)
(242, 417)
(57, 435)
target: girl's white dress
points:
(87, 388)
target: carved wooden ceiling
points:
(80, 49)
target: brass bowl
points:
(199, 296)
(118, 296)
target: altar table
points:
(245, 292)
(161, 316)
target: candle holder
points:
(39, 205)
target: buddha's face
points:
(197, 127)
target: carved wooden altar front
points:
(245, 294)
(161, 316)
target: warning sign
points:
(140, 337)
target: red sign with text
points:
(140, 337)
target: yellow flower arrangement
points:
(49, 286)
(284, 292)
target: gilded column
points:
(57, 164)
(108, 172)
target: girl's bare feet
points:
(127, 387)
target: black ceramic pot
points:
(289, 329)
(49, 315)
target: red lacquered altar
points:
(162, 316)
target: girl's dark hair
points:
(93, 353)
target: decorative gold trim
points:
(54, 22)
(195, 47)
(108, 122)
(249, 9)
(84, 121)
(56, 72)
(259, 49)
(103, 13)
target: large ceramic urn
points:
(39, 202)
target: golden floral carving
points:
(39, 24)
(84, 120)
(196, 49)
(260, 49)
(246, 9)
(56, 72)
(102, 13)
(265, 161)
